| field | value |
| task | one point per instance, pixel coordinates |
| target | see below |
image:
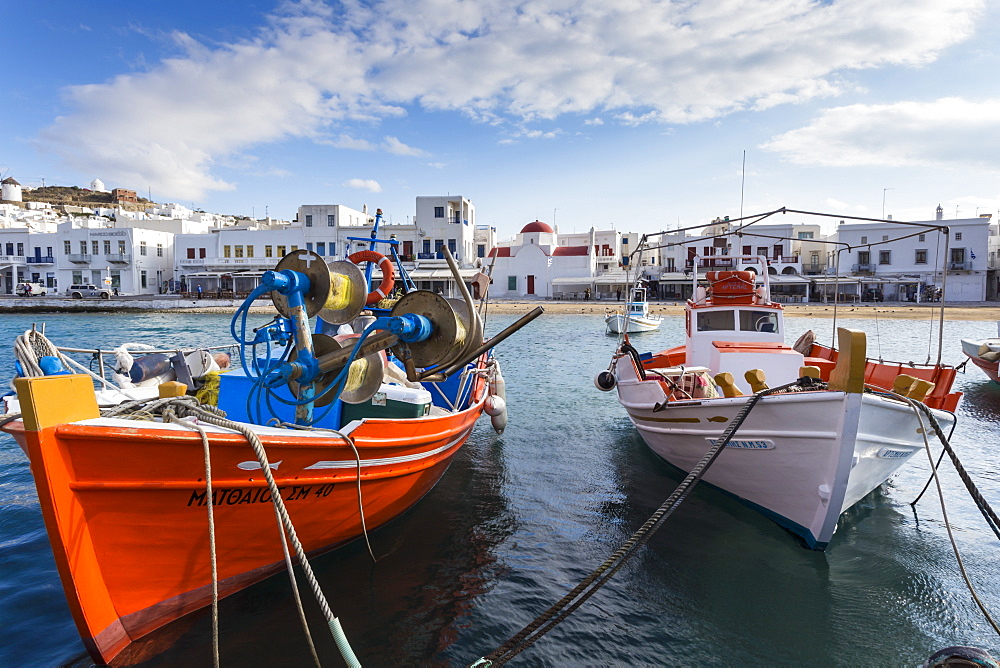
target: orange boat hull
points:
(125, 506)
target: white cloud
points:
(348, 142)
(925, 134)
(314, 68)
(396, 147)
(363, 184)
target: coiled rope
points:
(546, 621)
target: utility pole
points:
(883, 201)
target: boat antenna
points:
(743, 179)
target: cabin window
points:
(758, 321)
(715, 321)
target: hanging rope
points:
(187, 407)
(917, 408)
(548, 620)
(984, 507)
(170, 416)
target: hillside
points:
(75, 196)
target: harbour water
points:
(519, 519)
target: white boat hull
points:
(800, 458)
(616, 323)
(971, 349)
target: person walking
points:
(199, 291)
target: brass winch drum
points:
(363, 379)
(449, 333)
(336, 292)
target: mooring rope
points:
(984, 507)
(357, 459)
(170, 416)
(917, 407)
(186, 409)
(546, 621)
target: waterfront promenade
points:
(172, 303)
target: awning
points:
(788, 279)
(580, 280)
(674, 277)
(843, 280)
(440, 274)
(617, 279)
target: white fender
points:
(499, 422)
(495, 406)
(497, 386)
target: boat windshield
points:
(715, 321)
(758, 321)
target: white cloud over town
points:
(902, 134)
(316, 71)
(370, 185)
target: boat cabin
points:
(732, 325)
(637, 305)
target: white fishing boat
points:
(803, 454)
(985, 354)
(636, 317)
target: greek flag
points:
(973, 254)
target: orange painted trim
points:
(126, 508)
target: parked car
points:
(82, 290)
(30, 289)
(871, 295)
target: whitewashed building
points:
(900, 261)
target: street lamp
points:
(883, 201)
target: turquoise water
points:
(518, 520)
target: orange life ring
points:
(388, 275)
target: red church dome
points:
(537, 226)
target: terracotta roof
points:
(537, 226)
(500, 251)
(570, 250)
(10, 180)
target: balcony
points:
(121, 258)
(862, 268)
(959, 266)
(723, 262)
(813, 268)
(12, 260)
(40, 259)
(79, 258)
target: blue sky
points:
(630, 114)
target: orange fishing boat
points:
(126, 503)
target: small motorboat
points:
(156, 509)
(835, 426)
(636, 317)
(985, 354)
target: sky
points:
(639, 115)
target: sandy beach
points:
(978, 311)
(900, 311)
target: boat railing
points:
(98, 353)
(763, 274)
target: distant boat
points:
(804, 454)
(636, 318)
(985, 353)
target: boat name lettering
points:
(239, 496)
(894, 454)
(750, 445)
